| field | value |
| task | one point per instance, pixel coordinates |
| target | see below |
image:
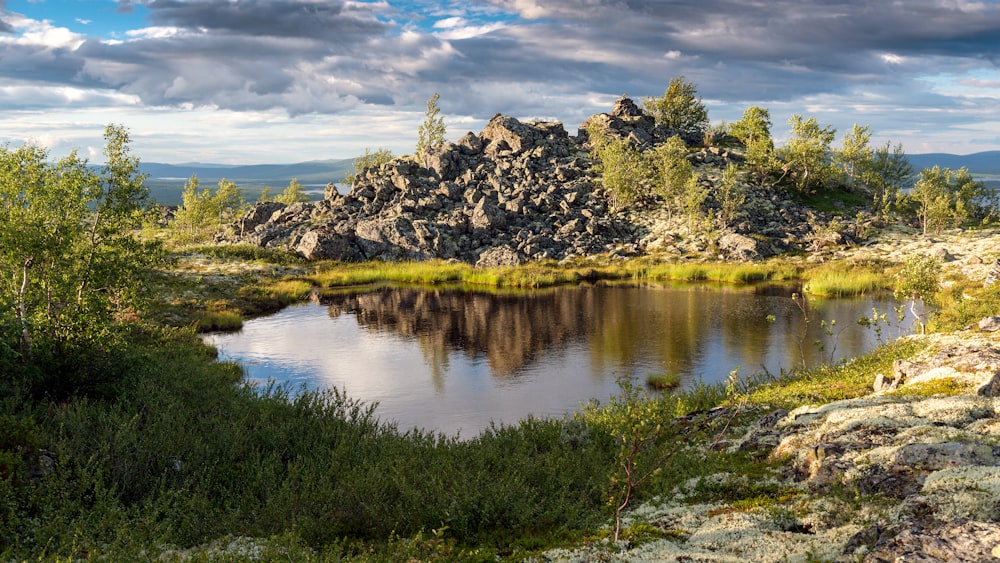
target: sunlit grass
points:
(828, 383)
(225, 320)
(534, 275)
(432, 272)
(716, 272)
(289, 290)
(846, 280)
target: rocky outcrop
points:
(517, 192)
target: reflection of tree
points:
(675, 329)
(508, 330)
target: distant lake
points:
(453, 359)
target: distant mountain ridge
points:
(309, 172)
(325, 171)
(166, 180)
(987, 162)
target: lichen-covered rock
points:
(975, 365)
(317, 245)
(952, 542)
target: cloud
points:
(334, 21)
(563, 59)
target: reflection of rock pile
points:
(517, 192)
(508, 331)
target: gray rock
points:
(955, 541)
(500, 256)
(316, 245)
(989, 324)
(993, 275)
(515, 177)
(942, 254)
(257, 215)
(734, 246)
(330, 192)
(931, 457)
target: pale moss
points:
(969, 492)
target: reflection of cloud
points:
(436, 358)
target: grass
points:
(964, 304)
(662, 381)
(716, 272)
(828, 383)
(942, 386)
(346, 274)
(225, 320)
(185, 455)
(546, 274)
(845, 280)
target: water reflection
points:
(451, 358)
(673, 328)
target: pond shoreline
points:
(809, 505)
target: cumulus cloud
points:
(562, 59)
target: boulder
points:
(993, 275)
(330, 192)
(954, 541)
(257, 215)
(734, 246)
(320, 245)
(989, 324)
(942, 254)
(500, 256)
(394, 239)
(505, 133)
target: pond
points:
(454, 359)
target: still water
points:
(453, 360)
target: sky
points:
(284, 81)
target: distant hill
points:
(166, 181)
(979, 164)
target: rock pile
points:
(516, 192)
(513, 193)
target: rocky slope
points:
(518, 192)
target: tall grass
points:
(534, 275)
(846, 280)
(431, 272)
(716, 272)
